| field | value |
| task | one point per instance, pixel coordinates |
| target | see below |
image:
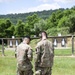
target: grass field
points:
(62, 65)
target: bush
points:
(55, 31)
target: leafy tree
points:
(71, 23)
(31, 20)
(40, 26)
(8, 23)
(67, 12)
(5, 30)
(10, 31)
(19, 29)
(27, 29)
(23, 16)
(63, 30)
(52, 21)
(52, 31)
(59, 14)
(62, 22)
(2, 28)
(73, 8)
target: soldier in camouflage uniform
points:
(44, 56)
(24, 56)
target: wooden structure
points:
(58, 41)
(12, 43)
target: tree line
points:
(60, 21)
(23, 16)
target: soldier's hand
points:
(36, 65)
(15, 55)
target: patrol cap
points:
(41, 34)
(27, 37)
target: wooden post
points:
(72, 45)
(3, 47)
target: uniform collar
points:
(24, 43)
(44, 39)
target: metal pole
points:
(72, 45)
(3, 47)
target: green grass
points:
(8, 63)
(9, 53)
(62, 65)
(63, 52)
(7, 66)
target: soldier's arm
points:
(17, 52)
(30, 53)
(51, 54)
(51, 49)
(37, 59)
(38, 54)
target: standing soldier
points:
(24, 56)
(44, 56)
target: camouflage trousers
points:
(43, 71)
(24, 72)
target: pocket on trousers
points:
(24, 67)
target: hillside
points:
(51, 21)
(22, 16)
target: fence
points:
(59, 42)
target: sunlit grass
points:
(62, 65)
(7, 66)
(63, 52)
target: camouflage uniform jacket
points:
(24, 56)
(45, 53)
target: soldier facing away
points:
(44, 56)
(24, 57)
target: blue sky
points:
(23, 6)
